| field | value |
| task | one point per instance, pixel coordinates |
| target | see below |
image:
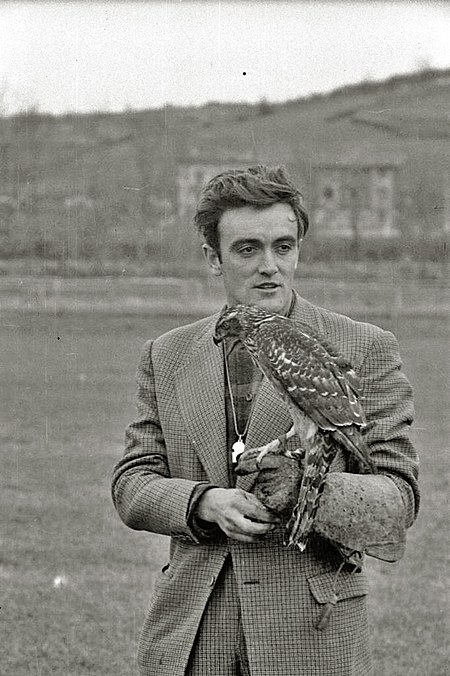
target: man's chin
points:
(276, 303)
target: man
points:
(233, 600)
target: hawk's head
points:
(238, 321)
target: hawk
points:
(321, 390)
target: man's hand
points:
(239, 515)
(278, 480)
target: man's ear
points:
(213, 260)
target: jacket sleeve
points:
(143, 491)
(372, 512)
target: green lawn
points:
(75, 582)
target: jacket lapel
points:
(200, 390)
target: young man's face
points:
(259, 252)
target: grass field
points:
(75, 582)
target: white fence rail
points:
(201, 296)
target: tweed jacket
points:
(178, 441)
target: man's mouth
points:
(267, 285)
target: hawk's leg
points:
(275, 446)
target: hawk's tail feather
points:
(317, 464)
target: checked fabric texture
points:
(178, 443)
(222, 618)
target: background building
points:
(356, 196)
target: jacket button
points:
(249, 396)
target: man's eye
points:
(247, 250)
(284, 248)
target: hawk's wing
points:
(311, 373)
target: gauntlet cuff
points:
(364, 513)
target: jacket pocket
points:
(331, 587)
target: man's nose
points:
(268, 264)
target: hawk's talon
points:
(275, 446)
(271, 447)
(283, 439)
(297, 455)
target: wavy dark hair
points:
(257, 187)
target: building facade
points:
(356, 198)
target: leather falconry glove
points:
(278, 479)
(361, 513)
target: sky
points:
(85, 56)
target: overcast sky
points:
(84, 56)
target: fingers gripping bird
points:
(321, 390)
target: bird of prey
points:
(321, 390)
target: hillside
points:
(104, 185)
